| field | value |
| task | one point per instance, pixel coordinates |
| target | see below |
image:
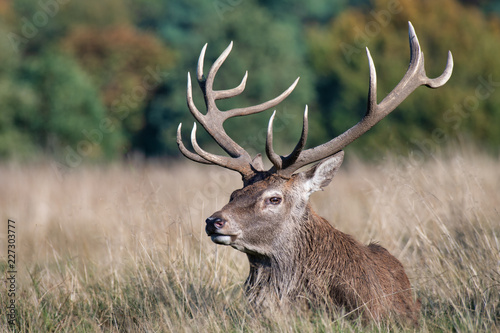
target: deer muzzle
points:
(214, 230)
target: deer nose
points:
(217, 222)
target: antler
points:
(238, 160)
(415, 76)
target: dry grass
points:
(122, 247)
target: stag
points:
(294, 254)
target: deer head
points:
(263, 217)
(270, 218)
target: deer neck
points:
(282, 273)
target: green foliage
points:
(127, 66)
(112, 47)
(40, 24)
(90, 74)
(48, 105)
(310, 11)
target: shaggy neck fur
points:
(341, 272)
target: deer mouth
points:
(221, 239)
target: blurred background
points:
(87, 81)
(87, 88)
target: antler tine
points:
(222, 94)
(210, 94)
(189, 96)
(199, 68)
(273, 157)
(281, 162)
(290, 159)
(263, 106)
(416, 52)
(415, 76)
(186, 152)
(240, 164)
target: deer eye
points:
(273, 200)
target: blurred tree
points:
(124, 65)
(314, 11)
(465, 107)
(491, 6)
(43, 23)
(16, 99)
(67, 67)
(50, 106)
(127, 66)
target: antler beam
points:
(415, 76)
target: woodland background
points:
(86, 81)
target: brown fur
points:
(326, 266)
(297, 257)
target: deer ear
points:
(321, 174)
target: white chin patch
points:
(221, 239)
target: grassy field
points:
(123, 247)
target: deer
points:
(295, 256)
